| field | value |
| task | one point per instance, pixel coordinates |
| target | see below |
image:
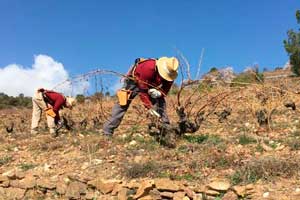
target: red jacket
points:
(56, 100)
(147, 77)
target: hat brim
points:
(161, 67)
(70, 102)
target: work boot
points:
(34, 131)
(105, 133)
(106, 136)
(53, 133)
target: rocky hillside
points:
(247, 147)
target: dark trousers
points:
(118, 111)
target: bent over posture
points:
(152, 80)
(50, 102)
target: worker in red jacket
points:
(51, 102)
(152, 80)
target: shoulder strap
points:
(140, 60)
(136, 63)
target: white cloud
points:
(44, 73)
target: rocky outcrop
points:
(18, 185)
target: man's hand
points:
(154, 113)
(60, 124)
(154, 93)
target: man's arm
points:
(58, 104)
(145, 98)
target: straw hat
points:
(167, 68)
(70, 101)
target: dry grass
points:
(140, 170)
(266, 169)
(47, 143)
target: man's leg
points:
(118, 111)
(38, 105)
(117, 115)
(51, 125)
(36, 117)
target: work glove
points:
(60, 122)
(154, 113)
(154, 93)
(59, 125)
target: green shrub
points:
(236, 178)
(19, 101)
(243, 79)
(80, 98)
(292, 47)
(246, 78)
(5, 159)
(294, 144)
(27, 166)
(183, 149)
(213, 69)
(259, 148)
(214, 140)
(244, 139)
(196, 138)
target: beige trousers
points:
(38, 106)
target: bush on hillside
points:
(246, 78)
(19, 101)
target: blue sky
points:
(85, 35)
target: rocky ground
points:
(237, 157)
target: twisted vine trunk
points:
(167, 134)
